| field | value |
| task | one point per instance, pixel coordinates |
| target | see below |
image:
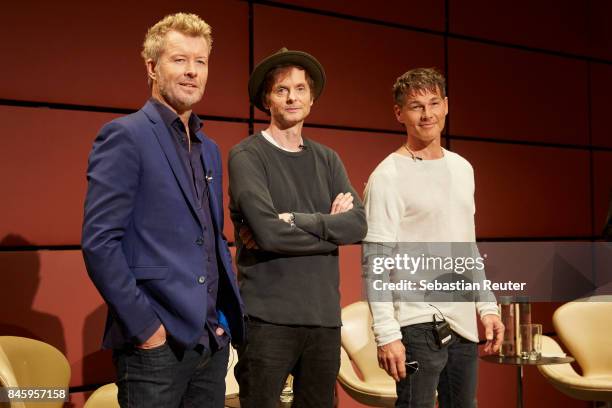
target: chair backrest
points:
(231, 385)
(358, 341)
(103, 397)
(7, 378)
(31, 363)
(583, 327)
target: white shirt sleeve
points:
(383, 212)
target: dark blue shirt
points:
(195, 170)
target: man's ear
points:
(398, 112)
(151, 69)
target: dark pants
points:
(452, 370)
(166, 377)
(310, 354)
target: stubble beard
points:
(179, 101)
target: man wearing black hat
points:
(292, 205)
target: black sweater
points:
(293, 277)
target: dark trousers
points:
(166, 377)
(452, 370)
(310, 354)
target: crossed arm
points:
(308, 234)
(342, 203)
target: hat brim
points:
(302, 59)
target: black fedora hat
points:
(285, 56)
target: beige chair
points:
(583, 327)
(103, 397)
(231, 385)
(372, 386)
(29, 363)
(106, 396)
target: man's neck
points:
(288, 138)
(183, 116)
(416, 148)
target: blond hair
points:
(187, 24)
(418, 80)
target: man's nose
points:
(291, 95)
(190, 69)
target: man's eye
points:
(179, 60)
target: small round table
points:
(520, 363)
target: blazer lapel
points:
(164, 138)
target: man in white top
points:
(423, 193)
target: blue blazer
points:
(142, 236)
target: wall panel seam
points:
(449, 34)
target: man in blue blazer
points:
(152, 233)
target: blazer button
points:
(200, 241)
(201, 279)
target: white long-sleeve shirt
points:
(409, 200)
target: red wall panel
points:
(350, 274)
(89, 53)
(44, 159)
(44, 170)
(52, 299)
(601, 91)
(516, 95)
(602, 182)
(562, 26)
(360, 152)
(549, 24)
(527, 191)
(361, 60)
(414, 13)
(600, 29)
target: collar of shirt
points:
(172, 120)
(270, 139)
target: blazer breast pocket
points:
(149, 272)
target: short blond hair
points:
(418, 80)
(184, 23)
